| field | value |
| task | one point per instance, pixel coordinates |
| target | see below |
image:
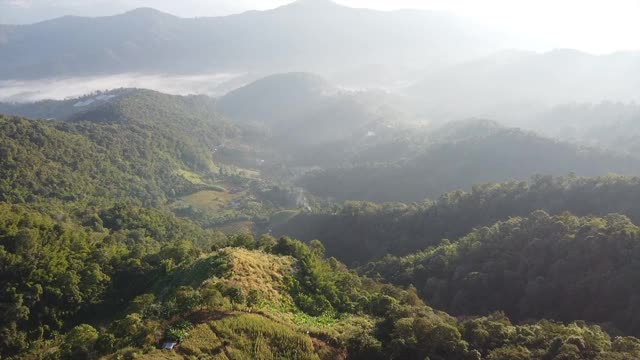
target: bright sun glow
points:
(595, 26)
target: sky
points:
(595, 26)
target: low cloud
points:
(63, 88)
(18, 3)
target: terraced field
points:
(211, 200)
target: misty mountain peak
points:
(147, 12)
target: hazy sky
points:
(597, 26)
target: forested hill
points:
(277, 297)
(309, 118)
(276, 98)
(109, 246)
(554, 267)
(137, 146)
(360, 231)
(128, 105)
(62, 109)
(500, 155)
(334, 183)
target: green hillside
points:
(88, 162)
(136, 220)
(308, 307)
(357, 232)
(137, 146)
(554, 267)
(140, 146)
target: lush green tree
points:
(562, 267)
(358, 232)
(80, 341)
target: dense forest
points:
(361, 231)
(136, 219)
(319, 182)
(55, 268)
(133, 147)
(239, 302)
(559, 267)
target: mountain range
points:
(450, 202)
(126, 198)
(308, 34)
(515, 86)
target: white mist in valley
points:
(72, 87)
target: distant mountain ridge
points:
(305, 34)
(457, 160)
(513, 85)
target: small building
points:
(169, 345)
